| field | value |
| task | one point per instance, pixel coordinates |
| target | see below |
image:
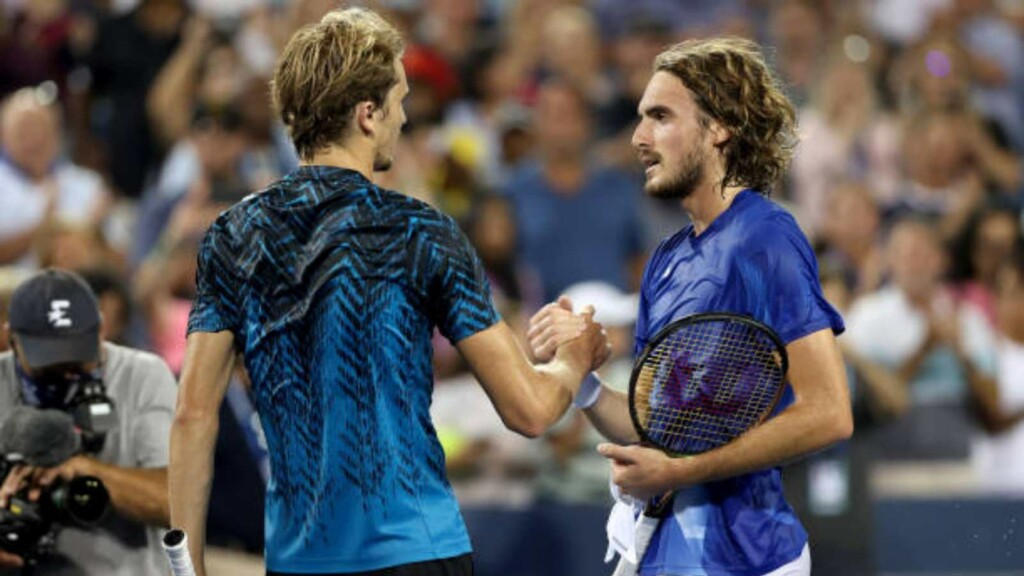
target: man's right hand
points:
(555, 327)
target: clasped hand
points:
(555, 325)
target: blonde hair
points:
(733, 86)
(329, 67)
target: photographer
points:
(58, 362)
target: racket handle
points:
(625, 568)
(646, 526)
(175, 544)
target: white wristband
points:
(590, 390)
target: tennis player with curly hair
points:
(716, 132)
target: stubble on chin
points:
(680, 185)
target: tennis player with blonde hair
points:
(716, 132)
(330, 287)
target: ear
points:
(367, 115)
(719, 134)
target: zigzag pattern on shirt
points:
(338, 286)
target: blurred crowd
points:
(127, 125)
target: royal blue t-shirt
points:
(332, 288)
(754, 260)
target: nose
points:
(641, 136)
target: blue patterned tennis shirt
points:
(332, 288)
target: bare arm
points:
(551, 327)
(610, 416)
(209, 359)
(819, 416)
(530, 399)
(170, 99)
(136, 493)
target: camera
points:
(46, 438)
(29, 529)
(92, 411)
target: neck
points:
(565, 174)
(707, 203)
(351, 158)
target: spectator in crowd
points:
(933, 78)
(571, 51)
(39, 186)
(796, 31)
(114, 300)
(129, 51)
(75, 246)
(850, 238)
(482, 118)
(994, 48)
(38, 45)
(205, 169)
(913, 329)
(578, 219)
(845, 137)
(994, 241)
(1001, 399)
(942, 183)
(205, 71)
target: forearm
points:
(549, 393)
(1002, 167)
(136, 493)
(887, 393)
(529, 399)
(909, 369)
(169, 101)
(190, 477)
(610, 416)
(798, 431)
(17, 246)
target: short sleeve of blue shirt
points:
(460, 293)
(779, 275)
(217, 306)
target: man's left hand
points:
(37, 479)
(643, 472)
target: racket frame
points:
(671, 328)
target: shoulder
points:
(767, 226)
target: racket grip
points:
(175, 544)
(646, 526)
(625, 568)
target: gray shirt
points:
(143, 390)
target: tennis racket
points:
(701, 382)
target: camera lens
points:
(83, 500)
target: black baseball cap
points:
(57, 319)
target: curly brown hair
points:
(733, 85)
(329, 67)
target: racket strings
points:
(706, 384)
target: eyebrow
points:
(656, 109)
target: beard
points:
(683, 183)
